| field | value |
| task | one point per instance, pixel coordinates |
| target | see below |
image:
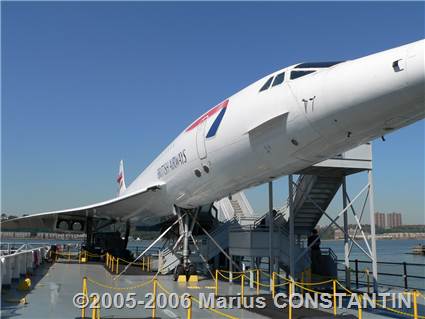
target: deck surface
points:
(53, 288)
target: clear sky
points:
(87, 84)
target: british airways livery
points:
(282, 123)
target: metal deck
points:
(53, 288)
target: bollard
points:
(415, 305)
(118, 261)
(251, 278)
(154, 298)
(334, 295)
(85, 296)
(189, 308)
(95, 313)
(242, 288)
(258, 281)
(359, 308)
(290, 301)
(216, 282)
(273, 287)
(368, 280)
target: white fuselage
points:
(288, 127)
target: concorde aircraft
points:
(286, 121)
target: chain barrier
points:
(111, 261)
(161, 287)
(414, 315)
(118, 288)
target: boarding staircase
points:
(313, 194)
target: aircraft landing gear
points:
(186, 225)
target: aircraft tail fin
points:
(121, 179)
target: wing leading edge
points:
(120, 208)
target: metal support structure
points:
(372, 231)
(346, 244)
(291, 227)
(271, 222)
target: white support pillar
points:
(372, 232)
(291, 228)
(271, 222)
(346, 238)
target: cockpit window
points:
(313, 65)
(267, 84)
(298, 74)
(279, 79)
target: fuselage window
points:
(298, 74)
(279, 79)
(267, 84)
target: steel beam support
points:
(372, 231)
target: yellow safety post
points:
(69, 256)
(85, 296)
(113, 264)
(258, 281)
(189, 308)
(359, 308)
(289, 301)
(106, 259)
(415, 305)
(242, 288)
(273, 287)
(368, 280)
(334, 295)
(143, 263)
(154, 298)
(216, 282)
(118, 261)
(95, 313)
(149, 263)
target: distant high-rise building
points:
(380, 219)
(394, 220)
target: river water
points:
(392, 251)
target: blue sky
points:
(86, 84)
